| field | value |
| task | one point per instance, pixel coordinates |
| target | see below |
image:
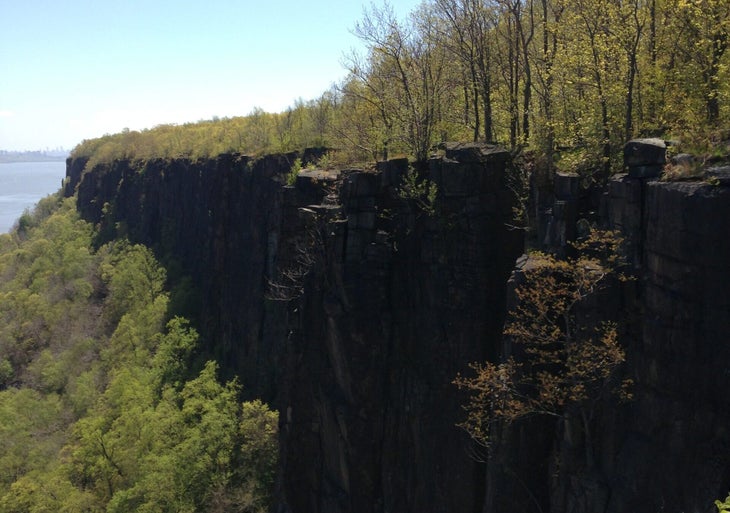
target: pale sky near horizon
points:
(77, 69)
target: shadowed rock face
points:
(669, 448)
(396, 305)
(677, 442)
(214, 222)
(349, 307)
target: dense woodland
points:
(102, 404)
(544, 75)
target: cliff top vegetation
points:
(544, 75)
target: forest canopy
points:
(102, 408)
(541, 74)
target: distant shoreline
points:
(12, 157)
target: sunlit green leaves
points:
(99, 408)
(583, 74)
(133, 277)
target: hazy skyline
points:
(78, 69)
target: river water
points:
(22, 184)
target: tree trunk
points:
(719, 45)
(487, 97)
(629, 127)
(606, 133)
(587, 440)
(526, 100)
(475, 102)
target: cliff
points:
(674, 448)
(351, 307)
(214, 224)
(668, 448)
(347, 305)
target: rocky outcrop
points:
(347, 303)
(213, 223)
(667, 449)
(677, 439)
(397, 303)
(350, 302)
(645, 158)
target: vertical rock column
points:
(678, 352)
(644, 160)
(399, 300)
(562, 224)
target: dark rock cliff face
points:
(214, 224)
(674, 451)
(352, 308)
(668, 449)
(348, 306)
(404, 301)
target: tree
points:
(185, 446)
(556, 362)
(524, 23)
(466, 34)
(368, 117)
(402, 76)
(98, 411)
(708, 31)
(550, 15)
(629, 31)
(321, 112)
(593, 19)
(133, 277)
(600, 71)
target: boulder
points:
(473, 152)
(645, 158)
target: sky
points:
(76, 69)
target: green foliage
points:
(581, 161)
(422, 192)
(133, 279)
(6, 372)
(723, 507)
(258, 451)
(192, 448)
(31, 219)
(25, 413)
(583, 75)
(296, 167)
(307, 124)
(325, 162)
(706, 144)
(46, 286)
(99, 409)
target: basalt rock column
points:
(396, 301)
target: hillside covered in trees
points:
(582, 75)
(102, 406)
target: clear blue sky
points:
(76, 69)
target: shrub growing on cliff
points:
(422, 193)
(291, 178)
(559, 361)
